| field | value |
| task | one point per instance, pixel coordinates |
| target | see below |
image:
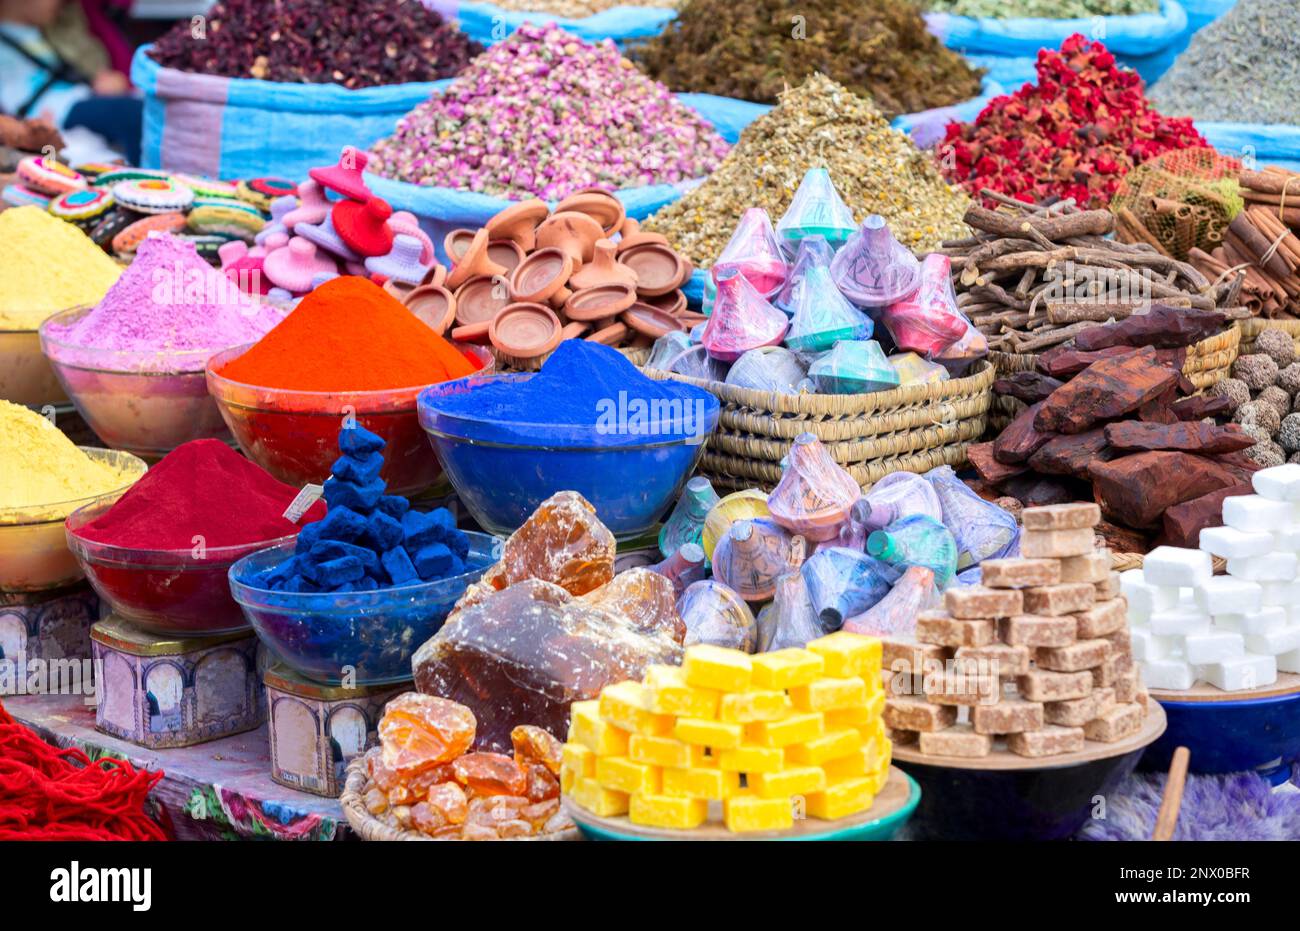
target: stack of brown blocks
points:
(1038, 655)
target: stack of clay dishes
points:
(532, 277)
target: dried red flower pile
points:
(1075, 133)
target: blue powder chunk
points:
(421, 529)
(357, 497)
(393, 505)
(367, 584)
(456, 568)
(458, 542)
(356, 440)
(433, 561)
(358, 470)
(334, 572)
(382, 532)
(326, 550)
(399, 567)
(307, 536)
(339, 523)
(343, 588)
(300, 584)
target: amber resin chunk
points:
(646, 598)
(490, 774)
(420, 731)
(534, 744)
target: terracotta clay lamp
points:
(479, 299)
(456, 242)
(574, 329)
(674, 302)
(574, 233)
(518, 223)
(505, 253)
(603, 269)
(650, 321)
(658, 268)
(611, 335)
(600, 205)
(542, 275)
(474, 262)
(433, 304)
(632, 236)
(601, 303)
(525, 330)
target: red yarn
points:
(51, 794)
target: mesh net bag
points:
(1181, 200)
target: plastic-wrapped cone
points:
(753, 555)
(768, 368)
(742, 319)
(843, 582)
(684, 567)
(822, 317)
(853, 367)
(961, 355)
(739, 505)
(686, 523)
(754, 252)
(789, 621)
(667, 348)
(895, 614)
(982, 529)
(716, 615)
(815, 493)
(814, 251)
(853, 532)
(816, 210)
(874, 269)
(913, 370)
(897, 495)
(927, 321)
(917, 540)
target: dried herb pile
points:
(1046, 9)
(575, 9)
(356, 43)
(818, 124)
(753, 50)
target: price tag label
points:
(302, 502)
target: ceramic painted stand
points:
(48, 625)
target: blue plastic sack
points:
(245, 128)
(1260, 143)
(1011, 73)
(1138, 41)
(927, 127)
(489, 23)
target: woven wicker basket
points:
(1122, 562)
(368, 827)
(912, 429)
(1250, 330)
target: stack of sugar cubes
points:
(1234, 631)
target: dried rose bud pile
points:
(545, 114)
(1075, 133)
(356, 43)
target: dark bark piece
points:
(1137, 490)
(1105, 390)
(1162, 327)
(1157, 409)
(1119, 539)
(1201, 406)
(1034, 490)
(1065, 361)
(1193, 437)
(989, 469)
(1019, 440)
(1030, 387)
(1184, 522)
(1071, 455)
(1239, 465)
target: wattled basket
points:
(368, 827)
(909, 429)
(1251, 328)
(1122, 562)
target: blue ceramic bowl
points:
(1231, 736)
(366, 638)
(502, 471)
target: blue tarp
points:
(489, 23)
(1256, 144)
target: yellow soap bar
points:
(841, 799)
(827, 747)
(669, 694)
(663, 811)
(796, 729)
(752, 813)
(662, 751)
(858, 716)
(708, 667)
(873, 730)
(627, 705)
(855, 765)
(879, 778)
(605, 803)
(576, 762)
(621, 774)
(700, 782)
(797, 780)
(847, 654)
(784, 669)
(587, 727)
(702, 733)
(828, 694)
(751, 759)
(754, 705)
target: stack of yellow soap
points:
(771, 737)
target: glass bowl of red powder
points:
(373, 635)
(144, 402)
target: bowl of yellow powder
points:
(46, 265)
(43, 479)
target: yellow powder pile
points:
(41, 469)
(46, 266)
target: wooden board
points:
(1002, 759)
(1288, 683)
(892, 799)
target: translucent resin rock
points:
(685, 567)
(647, 598)
(873, 269)
(753, 252)
(928, 320)
(895, 614)
(853, 367)
(523, 655)
(686, 523)
(843, 582)
(816, 210)
(753, 555)
(815, 493)
(814, 251)
(739, 505)
(899, 494)
(420, 731)
(742, 319)
(917, 540)
(770, 368)
(717, 615)
(822, 316)
(789, 621)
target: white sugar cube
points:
(1279, 483)
(1225, 595)
(1254, 514)
(1147, 647)
(1286, 539)
(1271, 567)
(1228, 542)
(1279, 594)
(1248, 671)
(1171, 565)
(1168, 674)
(1212, 647)
(1263, 621)
(1179, 622)
(1288, 662)
(1279, 640)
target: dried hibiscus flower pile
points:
(1075, 133)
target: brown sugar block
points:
(1126, 685)
(1056, 544)
(914, 714)
(1080, 655)
(1121, 641)
(1102, 618)
(1079, 711)
(940, 629)
(1107, 674)
(958, 740)
(1078, 516)
(1030, 630)
(1045, 685)
(976, 601)
(900, 738)
(1108, 587)
(995, 659)
(1115, 723)
(1048, 741)
(1055, 600)
(1009, 716)
(956, 687)
(908, 656)
(1019, 573)
(1090, 567)
(1143, 697)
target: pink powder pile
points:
(168, 312)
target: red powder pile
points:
(202, 488)
(349, 335)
